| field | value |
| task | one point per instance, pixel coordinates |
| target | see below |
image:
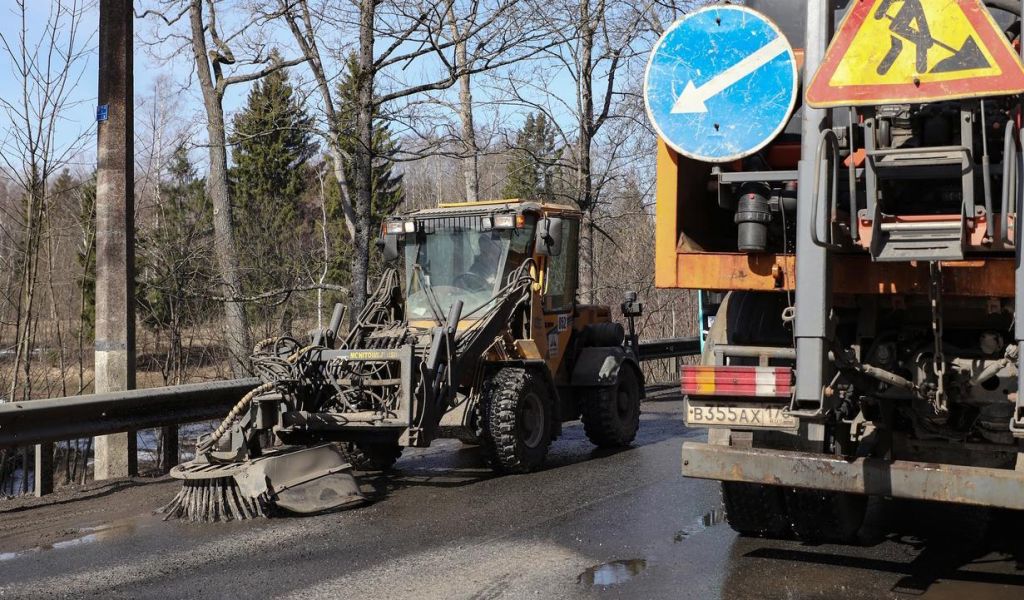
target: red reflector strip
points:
(759, 382)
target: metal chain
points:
(938, 359)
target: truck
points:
(864, 269)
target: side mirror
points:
(549, 237)
(389, 247)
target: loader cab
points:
(468, 259)
(468, 252)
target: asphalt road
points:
(593, 524)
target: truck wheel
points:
(612, 415)
(372, 456)
(825, 517)
(517, 421)
(754, 509)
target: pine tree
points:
(387, 190)
(175, 271)
(534, 167)
(272, 143)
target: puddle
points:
(612, 573)
(92, 534)
(715, 517)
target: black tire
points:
(517, 421)
(749, 318)
(819, 516)
(611, 415)
(372, 456)
(755, 510)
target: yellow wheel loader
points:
(474, 333)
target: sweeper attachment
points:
(484, 342)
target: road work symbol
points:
(721, 84)
(911, 23)
(915, 51)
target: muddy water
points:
(86, 535)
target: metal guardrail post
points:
(168, 447)
(43, 476)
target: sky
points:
(166, 64)
(77, 126)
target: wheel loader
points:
(473, 332)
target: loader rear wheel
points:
(825, 517)
(612, 416)
(372, 456)
(754, 509)
(517, 421)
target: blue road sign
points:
(721, 83)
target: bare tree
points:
(35, 147)
(217, 68)
(392, 35)
(597, 45)
(470, 149)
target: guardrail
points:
(669, 348)
(54, 419)
(50, 420)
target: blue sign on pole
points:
(721, 84)
(101, 113)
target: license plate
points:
(738, 415)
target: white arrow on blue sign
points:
(721, 84)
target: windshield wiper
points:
(435, 306)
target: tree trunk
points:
(584, 178)
(236, 328)
(470, 150)
(310, 49)
(24, 313)
(363, 158)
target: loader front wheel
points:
(517, 421)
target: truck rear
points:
(866, 256)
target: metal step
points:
(919, 240)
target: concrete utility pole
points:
(115, 229)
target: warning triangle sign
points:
(915, 51)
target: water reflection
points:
(715, 517)
(612, 573)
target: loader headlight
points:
(504, 221)
(399, 227)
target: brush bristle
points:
(213, 500)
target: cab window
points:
(562, 271)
